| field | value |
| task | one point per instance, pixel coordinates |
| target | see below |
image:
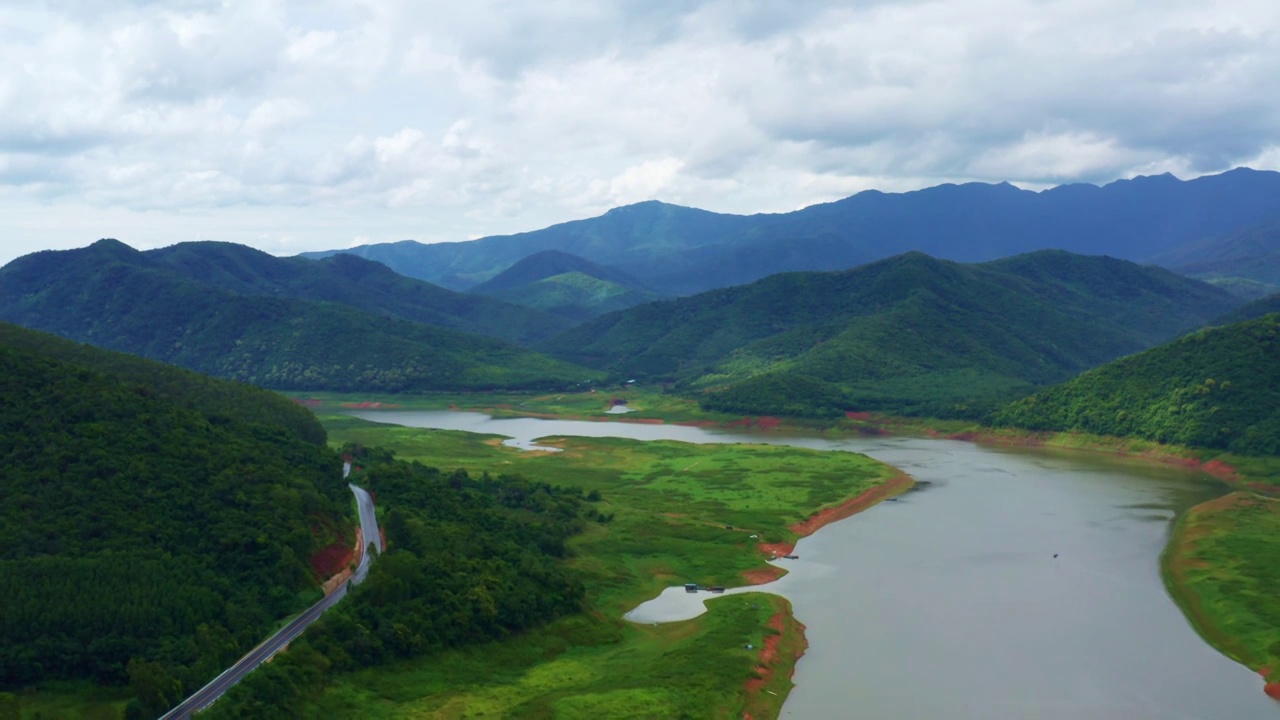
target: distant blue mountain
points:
(679, 251)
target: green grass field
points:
(588, 666)
(681, 513)
(646, 403)
(1221, 566)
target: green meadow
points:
(680, 513)
(646, 403)
(1221, 565)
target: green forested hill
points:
(1256, 309)
(273, 342)
(354, 281)
(469, 560)
(566, 285)
(1215, 388)
(210, 396)
(907, 334)
(576, 296)
(143, 540)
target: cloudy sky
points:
(306, 125)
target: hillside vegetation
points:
(682, 251)
(348, 280)
(1256, 309)
(93, 296)
(1250, 253)
(908, 334)
(566, 285)
(1213, 389)
(468, 560)
(144, 540)
(216, 398)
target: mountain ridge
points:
(681, 251)
(102, 295)
(897, 330)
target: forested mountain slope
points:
(1215, 388)
(677, 250)
(343, 279)
(469, 560)
(239, 401)
(285, 343)
(142, 540)
(911, 333)
(566, 285)
(1251, 252)
(1256, 309)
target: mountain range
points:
(676, 250)
(115, 297)
(907, 334)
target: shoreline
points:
(1134, 448)
(894, 486)
(1178, 560)
(1105, 445)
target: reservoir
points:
(949, 603)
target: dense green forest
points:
(273, 342)
(468, 560)
(910, 334)
(210, 396)
(566, 285)
(349, 280)
(1215, 388)
(145, 541)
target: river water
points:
(949, 603)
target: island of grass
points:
(680, 512)
(1220, 566)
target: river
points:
(950, 603)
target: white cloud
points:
(394, 119)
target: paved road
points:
(205, 696)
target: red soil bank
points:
(331, 559)
(353, 558)
(761, 576)
(1216, 468)
(370, 405)
(1272, 689)
(765, 669)
(852, 506)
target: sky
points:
(293, 126)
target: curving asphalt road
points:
(205, 696)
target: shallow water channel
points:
(949, 603)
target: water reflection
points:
(951, 604)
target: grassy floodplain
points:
(1229, 625)
(647, 403)
(681, 513)
(1220, 565)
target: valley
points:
(666, 432)
(964, 479)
